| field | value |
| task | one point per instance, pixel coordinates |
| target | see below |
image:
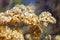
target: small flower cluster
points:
(46, 17)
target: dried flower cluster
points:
(25, 14)
(47, 17)
(7, 34)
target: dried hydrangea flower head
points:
(18, 14)
(47, 17)
(25, 14)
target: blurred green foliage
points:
(18, 1)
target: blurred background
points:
(53, 6)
